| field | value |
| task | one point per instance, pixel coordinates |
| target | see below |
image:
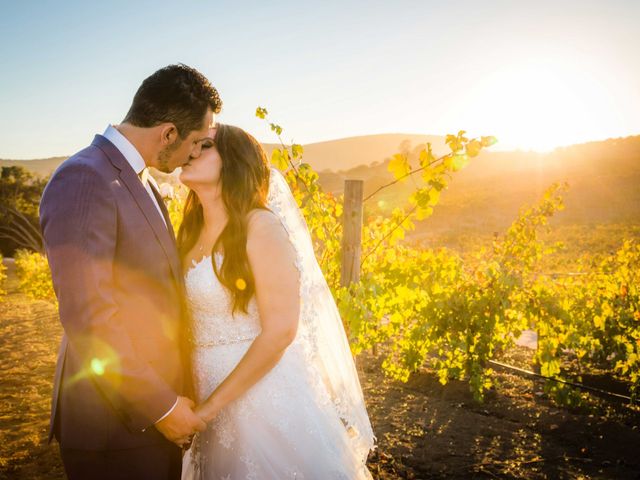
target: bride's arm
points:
(272, 261)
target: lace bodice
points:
(285, 426)
(211, 306)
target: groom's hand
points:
(181, 423)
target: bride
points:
(274, 377)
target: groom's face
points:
(204, 170)
(182, 150)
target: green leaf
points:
(434, 196)
(422, 213)
(399, 166)
(473, 148)
(297, 150)
(426, 157)
(279, 160)
(488, 141)
(261, 112)
(459, 161)
(276, 128)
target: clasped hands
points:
(183, 422)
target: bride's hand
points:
(206, 411)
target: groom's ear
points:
(168, 134)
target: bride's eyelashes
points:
(207, 144)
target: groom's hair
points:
(178, 94)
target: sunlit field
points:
(30, 332)
(424, 429)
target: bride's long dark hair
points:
(244, 180)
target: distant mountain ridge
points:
(336, 155)
(484, 197)
(344, 154)
(42, 167)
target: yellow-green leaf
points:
(399, 166)
(278, 160)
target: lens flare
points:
(97, 366)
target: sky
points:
(535, 74)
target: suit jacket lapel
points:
(165, 212)
(142, 198)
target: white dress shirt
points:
(131, 154)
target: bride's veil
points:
(320, 330)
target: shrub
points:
(34, 275)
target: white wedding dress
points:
(289, 425)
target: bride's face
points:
(203, 171)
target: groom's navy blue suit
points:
(117, 276)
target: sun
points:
(540, 105)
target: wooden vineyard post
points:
(351, 232)
(351, 235)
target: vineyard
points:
(429, 326)
(429, 307)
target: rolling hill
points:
(335, 155)
(345, 154)
(485, 197)
(42, 167)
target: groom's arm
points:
(175, 404)
(79, 223)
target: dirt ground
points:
(424, 430)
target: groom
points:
(120, 402)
